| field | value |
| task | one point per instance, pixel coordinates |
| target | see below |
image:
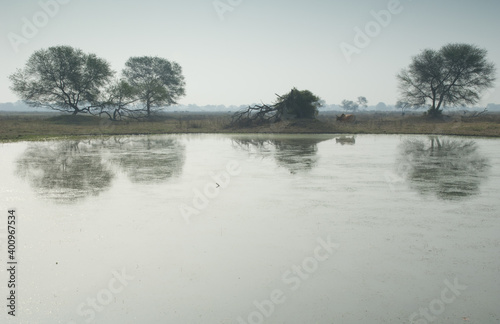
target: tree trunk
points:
(434, 112)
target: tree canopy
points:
(158, 81)
(62, 78)
(455, 75)
(66, 79)
(299, 103)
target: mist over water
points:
(232, 228)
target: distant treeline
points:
(20, 106)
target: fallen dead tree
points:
(295, 104)
(473, 114)
(258, 114)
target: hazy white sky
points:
(252, 49)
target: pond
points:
(253, 229)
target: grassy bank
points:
(17, 126)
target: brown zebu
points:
(346, 118)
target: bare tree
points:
(362, 102)
(403, 105)
(349, 105)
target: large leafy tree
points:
(62, 78)
(455, 75)
(158, 82)
(299, 103)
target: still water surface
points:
(254, 229)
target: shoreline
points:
(15, 127)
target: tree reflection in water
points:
(64, 171)
(297, 154)
(149, 159)
(67, 171)
(448, 168)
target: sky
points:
(236, 52)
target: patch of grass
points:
(74, 120)
(15, 127)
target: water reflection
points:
(64, 171)
(448, 168)
(295, 154)
(345, 140)
(67, 171)
(149, 159)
